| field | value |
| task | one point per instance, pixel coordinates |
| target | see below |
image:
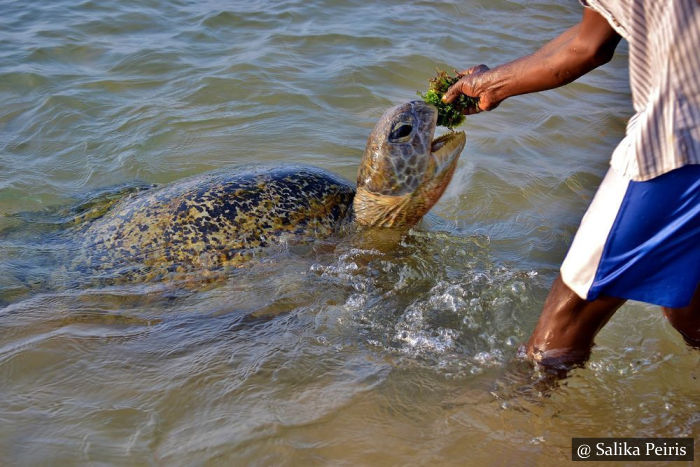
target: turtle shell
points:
(217, 219)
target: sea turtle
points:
(214, 220)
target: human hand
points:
(472, 83)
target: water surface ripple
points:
(339, 352)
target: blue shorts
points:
(639, 240)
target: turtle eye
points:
(401, 132)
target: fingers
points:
(466, 86)
(475, 109)
(457, 89)
(453, 92)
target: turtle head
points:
(404, 171)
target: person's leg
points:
(686, 320)
(564, 333)
(638, 240)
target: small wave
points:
(406, 303)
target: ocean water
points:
(338, 353)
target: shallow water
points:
(330, 353)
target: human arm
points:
(572, 54)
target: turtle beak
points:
(446, 149)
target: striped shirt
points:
(664, 64)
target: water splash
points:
(410, 304)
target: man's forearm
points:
(559, 62)
(557, 42)
(573, 53)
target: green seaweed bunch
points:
(449, 115)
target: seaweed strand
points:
(449, 115)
